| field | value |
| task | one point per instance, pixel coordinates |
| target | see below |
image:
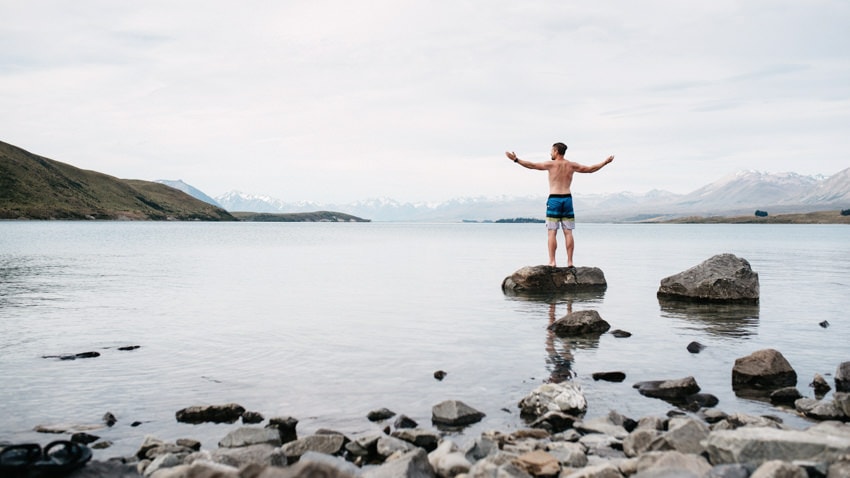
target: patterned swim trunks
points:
(559, 212)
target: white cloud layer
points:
(330, 100)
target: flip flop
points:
(18, 458)
(62, 456)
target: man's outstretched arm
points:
(596, 167)
(526, 164)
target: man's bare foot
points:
(552, 264)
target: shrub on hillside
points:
(760, 213)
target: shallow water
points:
(325, 322)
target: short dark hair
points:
(561, 147)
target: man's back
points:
(560, 176)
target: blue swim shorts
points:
(559, 212)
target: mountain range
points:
(740, 193)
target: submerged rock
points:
(547, 279)
(721, 278)
(227, 413)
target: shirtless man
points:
(559, 206)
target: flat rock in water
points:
(227, 413)
(455, 413)
(547, 279)
(721, 278)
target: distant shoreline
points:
(819, 217)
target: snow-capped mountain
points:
(739, 193)
(190, 190)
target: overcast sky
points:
(335, 101)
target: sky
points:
(337, 101)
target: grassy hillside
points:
(319, 216)
(34, 187)
(820, 217)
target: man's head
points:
(558, 149)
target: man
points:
(559, 206)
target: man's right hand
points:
(511, 155)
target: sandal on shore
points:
(57, 459)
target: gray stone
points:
(778, 469)
(245, 436)
(227, 413)
(554, 422)
(735, 470)
(259, 454)
(499, 465)
(819, 409)
(765, 369)
(820, 385)
(329, 444)
(565, 397)
(343, 468)
(454, 413)
(639, 441)
(426, 439)
(166, 460)
(286, 427)
(601, 425)
(380, 414)
(683, 435)
(721, 278)
(738, 420)
(580, 323)
(842, 377)
(387, 445)
(447, 460)
(841, 400)
(785, 396)
(758, 445)
(675, 390)
(547, 279)
(571, 455)
(603, 470)
(413, 464)
(663, 463)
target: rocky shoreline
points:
(693, 439)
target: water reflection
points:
(722, 320)
(559, 355)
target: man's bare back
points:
(560, 170)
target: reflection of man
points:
(561, 362)
(559, 206)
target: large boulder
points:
(764, 369)
(721, 278)
(454, 413)
(583, 322)
(548, 279)
(758, 444)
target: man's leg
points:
(568, 238)
(553, 245)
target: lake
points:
(325, 321)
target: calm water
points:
(325, 322)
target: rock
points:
(547, 279)
(785, 396)
(621, 334)
(389, 445)
(565, 397)
(601, 425)
(604, 470)
(764, 369)
(411, 464)
(336, 467)
(695, 347)
(252, 418)
(820, 385)
(285, 427)
(440, 374)
(671, 464)
(425, 439)
(129, 347)
(189, 443)
(639, 440)
(841, 400)
(583, 322)
(609, 376)
(259, 454)
(101, 445)
(738, 420)
(109, 419)
(713, 416)
(554, 422)
(735, 470)
(167, 460)
(539, 463)
(819, 409)
(454, 413)
(246, 436)
(824, 324)
(365, 445)
(380, 414)
(329, 444)
(721, 278)
(87, 355)
(758, 445)
(446, 460)
(842, 377)
(683, 435)
(228, 413)
(778, 469)
(669, 390)
(571, 455)
(403, 421)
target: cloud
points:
(329, 101)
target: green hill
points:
(34, 187)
